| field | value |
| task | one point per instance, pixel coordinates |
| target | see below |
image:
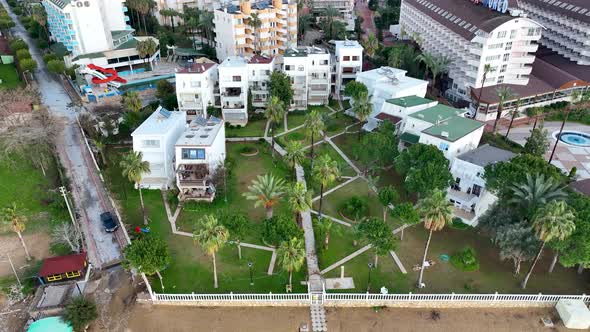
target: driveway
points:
(87, 189)
(368, 25)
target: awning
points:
(409, 138)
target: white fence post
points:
(410, 296)
(496, 296)
(452, 296)
(367, 298)
(539, 297)
(231, 295)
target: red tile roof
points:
(197, 68)
(62, 264)
(259, 59)
(391, 118)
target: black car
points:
(109, 222)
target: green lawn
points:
(319, 150)
(254, 128)
(296, 135)
(337, 122)
(9, 76)
(294, 119)
(190, 269)
(346, 104)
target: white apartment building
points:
(195, 88)
(473, 36)
(310, 72)
(347, 63)
(567, 24)
(155, 139)
(199, 151)
(233, 89)
(388, 83)
(259, 70)
(468, 193)
(235, 35)
(444, 127)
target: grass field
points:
(254, 128)
(9, 76)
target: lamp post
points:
(251, 279)
(224, 178)
(370, 265)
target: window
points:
(501, 34)
(301, 68)
(503, 68)
(355, 58)
(236, 78)
(500, 79)
(508, 46)
(512, 34)
(193, 154)
(195, 84)
(54, 277)
(443, 146)
(289, 67)
(150, 143)
(493, 57)
(72, 274)
(324, 62)
(68, 15)
(506, 57)
(495, 46)
(346, 58)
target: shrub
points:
(42, 44)
(355, 207)
(28, 65)
(247, 149)
(465, 260)
(56, 66)
(458, 224)
(278, 229)
(49, 57)
(18, 44)
(80, 312)
(23, 54)
(236, 223)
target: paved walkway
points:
(368, 25)
(335, 188)
(336, 220)
(398, 262)
(346, 259)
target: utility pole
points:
(64, 193)
(14, 271)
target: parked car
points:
(109, 222)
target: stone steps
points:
(318, 318)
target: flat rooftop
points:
(200, 132)
(234, 61)
(390, 78)
(486, 155)
(448, 123)
(160, 122)
(304, 51)
(410, 101)
(347, 44)
(195, 68)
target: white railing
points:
(231, 297)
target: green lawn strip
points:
(294, 119)
(254, 128)
(494, 274)
(295, 135)
(337, 123)
(320, 108)
(9, 76)
(319, 150)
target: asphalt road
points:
(87, 189)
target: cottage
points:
(63, 267)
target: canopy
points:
(573, 313)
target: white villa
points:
(396, 110)
(155, 139)
(195, 88)
(233, 86)
(259, 69)
(198, 153)
(468, 192)
(347, 63)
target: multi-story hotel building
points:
(473, 36)
(235, 33)
(195, 88)
(567, 24)
(310, 72)
(347, 62)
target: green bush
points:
(458, 224)
(23, 54)
(465, 260)
(278, 229)
(18, 44)
(501, 142)
(355, 207)
(42, 44)
(236, 223)
(49, 57)
(247, 149)
(80, 312)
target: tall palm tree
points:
(266, 190)
(211, 236)
(255, 22)
(144, 7)
(314, 125)
(536, 191)
(534, 112)
(299, 199)
(439, 67)
(325, 227)
(513, 114)
(579, 100)
(134, 167)
(371, 45)
(100, 146)
(291, 256)
(504, 94)
(275, 111)
(325, 172)
(294, 153)
(303, 25)
(428, 60)
(14, 218)
(436, 211)
(330, 15)
(554, 221)
(362, 108)
(131, 101)
(487, 68)
(206, 25)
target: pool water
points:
(575, 138)
(50, 324)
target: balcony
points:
(193, 175)
(462, 198)
(197, 103)
(232, 106)
(198, 195)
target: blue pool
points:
(575, 138)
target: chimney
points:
(245, 7)
(278, 4)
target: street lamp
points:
(250, 267)
(370, 265)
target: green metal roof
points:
(448, 123)
(409, 101)
(118, 34)
(131, 43)
(94, 55)
(409, 138)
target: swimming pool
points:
(575, 138)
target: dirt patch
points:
(37, 243)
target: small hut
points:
(63, 267)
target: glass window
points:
(193, 154)
(151, 143)
(346, 58)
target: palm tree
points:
(266, 190)
(536, 191)
(330, 14)
(134, 167)
(387, 195)
(325, 227)
(299, 199)
(211, 237)
(275, 111)
(291, 256)
(504, 94)
(395, 57)
(206, 24)
(143, 7)
(303, 24)
(536, 112)
(555, 221)
(513, 114)
(439, 67)
(14, 218)
(100, 146)
(145, 48)
(255, 22)
(579, 101)
(371, 45)
(131, 101)
(362, 108)
(314, 125)
(325, 172)
(294, 153)
(428, 60)
(486, 70)
(436, 211)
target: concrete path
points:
(285, 124)
(398, 262)
(335, 188)
(346, 259)
(345, 157)
(88, 191)
(271, 266)
(336, 220)
(266, 128)
(255, 246)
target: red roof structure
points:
(259, 59)
(391, 118)
(62, 264)
(197, 68)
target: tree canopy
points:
(537, 143)
(80, 312)
(148, 254)
(425, 168)
(354, 89)
(280, 87)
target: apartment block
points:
(347, 62)
(345, 7)
(567, 26)
(310, 72)
(259, 70)
(473, 36)
(235, 33)
(196, 85)
(233, 88)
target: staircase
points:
(318, 318)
